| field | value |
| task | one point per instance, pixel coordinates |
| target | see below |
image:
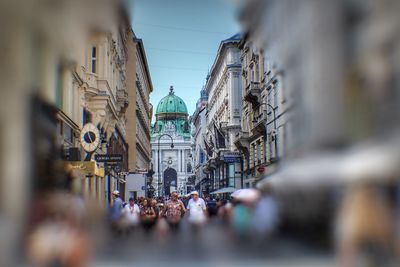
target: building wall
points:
(143, 90)
(325, 82)
(135, 183)
(180, 157)
(224, 89)
(131, 110)
(199, 122)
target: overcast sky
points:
(181, 39)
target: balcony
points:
(252, 93)
(224, 126)
(242, 142)
(259, 123)
(122, 99)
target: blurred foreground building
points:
(337, 63)
(341, 88)
(66, 66)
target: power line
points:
(180, 28)
(178, 86)
(176, 68)
(179, 51)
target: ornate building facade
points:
(263, 138)
(199, 123)
(224, 90)
(171, 147)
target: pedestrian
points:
(211, 206)
(156, 207)
(130, 215)
(174, 211)
(116, 208)
(197, 209)
(147, 215)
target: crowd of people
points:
(245, 216)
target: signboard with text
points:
(108, 158)
(232, 157)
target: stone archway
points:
(170, 180)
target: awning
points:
(365, 162)
(224, 190)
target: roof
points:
(140, 44)
(171, 104)
(235, 37)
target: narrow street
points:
(212, 246)
(200, 133)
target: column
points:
(155, 160)
(179, 160)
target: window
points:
(86, 116)
(201, 157)
(59, 86)
(259, 157)
(231, 174)
(94, 59)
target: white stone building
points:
(171, 147)
(224, 89)
(199, 124)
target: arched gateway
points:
(170, 180)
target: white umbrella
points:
(248, 194)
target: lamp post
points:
(266, 125)
(159, 167)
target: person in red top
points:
(174, 211)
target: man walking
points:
(174, 211)
(116, 209)
(197, 209)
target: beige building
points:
(65, 65)
(139, 114)
(144, 110)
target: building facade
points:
(171, 147)
(199, 124)
(263, 138)
(328, 82)
(139, 117)
(64, 67)
(224, 90)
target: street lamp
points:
(159, 171)
(266, 125)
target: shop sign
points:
(232, 157)
(108, 158)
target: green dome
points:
(171, 104)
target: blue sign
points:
(232, 159)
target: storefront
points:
(88, 179)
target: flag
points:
(219, 137)
(211, 143)
(208, 148)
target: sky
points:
(181, 40)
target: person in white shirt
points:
(130, 214)
(197, 209)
